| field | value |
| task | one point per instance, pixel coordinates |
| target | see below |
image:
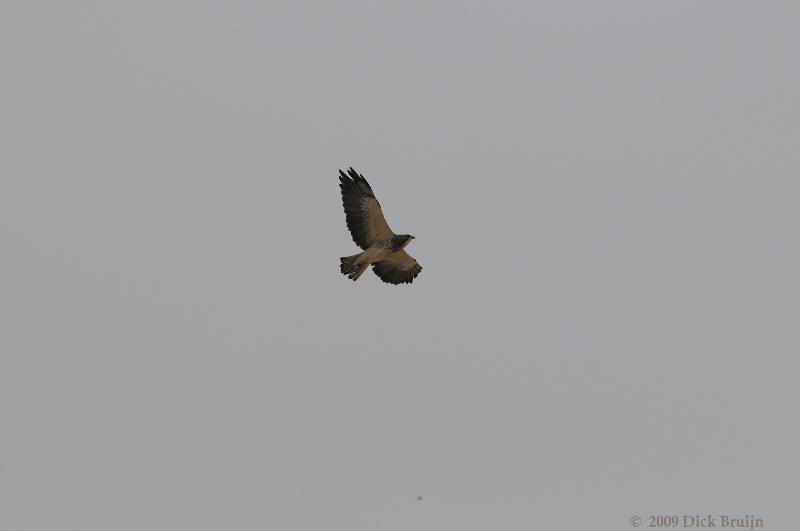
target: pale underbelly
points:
(373, 254)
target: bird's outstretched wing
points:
(397, 268)
(363, 212)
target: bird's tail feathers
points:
(349, 267)
(348, 263)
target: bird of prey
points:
(383, 249)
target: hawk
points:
(383, 249)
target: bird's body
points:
(387, 252)
(383, 249)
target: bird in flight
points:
(383, 249)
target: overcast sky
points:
(605, 200)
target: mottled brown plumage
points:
(383, 249)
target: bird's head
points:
(401, 240)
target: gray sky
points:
(604, 196)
